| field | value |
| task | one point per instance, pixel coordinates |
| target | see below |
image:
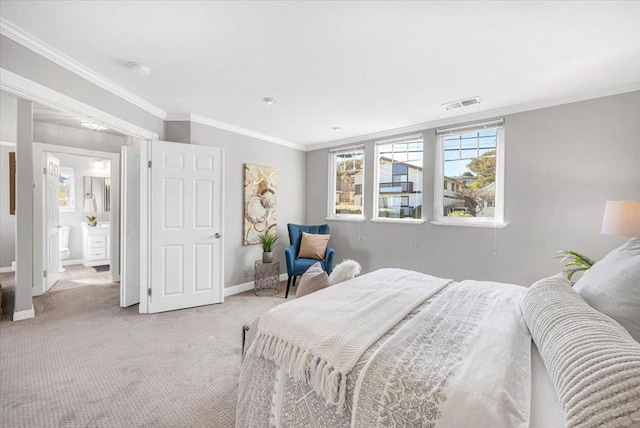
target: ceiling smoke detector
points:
(139, 69)
(269, 100)
(462, 103)
(336, 129)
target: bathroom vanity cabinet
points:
(95, 244)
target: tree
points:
(484, 168)
(473, 197)
(347, 169)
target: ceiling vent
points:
(462, 103)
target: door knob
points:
(217, 235)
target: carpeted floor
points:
(86, 362)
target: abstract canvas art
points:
(260, 213)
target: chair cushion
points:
(612, 286)
(313, 246)
(345, 271)
(593, 362)
(314, 279)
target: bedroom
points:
(569, 101)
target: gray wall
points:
(81, 166)
(24, 62)
(240, 149)
(562, 164)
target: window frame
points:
(498, 220)
(376, 181)
(331, 199)
(71, 207)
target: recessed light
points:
(94, 126)
(139, 69)
(462, 103)
(336, 129)
(269, 100)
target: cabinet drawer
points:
(98, 253)
(97, 241)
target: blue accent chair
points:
(296, 266)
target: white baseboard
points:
(24, 315)
(6, 269)
(246, 286)
(72, 262)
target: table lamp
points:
(621, 218)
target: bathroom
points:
(84, 220)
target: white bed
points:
(459, 355)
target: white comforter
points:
(460, 359)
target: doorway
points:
(77, 201)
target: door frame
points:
(39, 225)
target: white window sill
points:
(398, 220)
(346, 218)
(490, 225)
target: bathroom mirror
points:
(97, 189)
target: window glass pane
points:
(470, 174)
(400, 179)
(348, 181)
(65, 189)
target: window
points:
(346, 181)
(471, 160)
(398, 179)
(66, 191)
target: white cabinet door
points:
(186, 226)
(52, 210)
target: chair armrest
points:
(328, 259)
(290, 256)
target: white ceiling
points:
(363, 66)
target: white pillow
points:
(612, 286)
(593, 362)
(345, 271)
(314, 279)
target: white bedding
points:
(268, 397)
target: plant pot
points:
(92, 223)
(267, 257)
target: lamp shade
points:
(621, 218)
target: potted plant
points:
(576, 262)
(91, 221)
(267, 242)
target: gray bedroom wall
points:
(562, 164)
(26, 63)
(240, 149)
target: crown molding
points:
(18, 35)
(489, 114)
(188, 117)
(25, 88)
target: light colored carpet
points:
(86, 362)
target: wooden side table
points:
(266, 279)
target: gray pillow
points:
(612, 286)
(593, 362)
(314, 279)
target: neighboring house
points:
(451, 198)
(400, 188)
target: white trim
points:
(18, 35)
(503, 111)
(438, 207)
(25, 88)
(6, 269)
(488, 224)
(346, 217)
(246, 286)
(72, 262)
(474, 126)
(181, 117)
(7, 143)
(400, 139)
(398, 220)
(24, 315)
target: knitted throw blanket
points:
(319, 338)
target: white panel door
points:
(52, 210)
(186, 226)
(130, 216)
